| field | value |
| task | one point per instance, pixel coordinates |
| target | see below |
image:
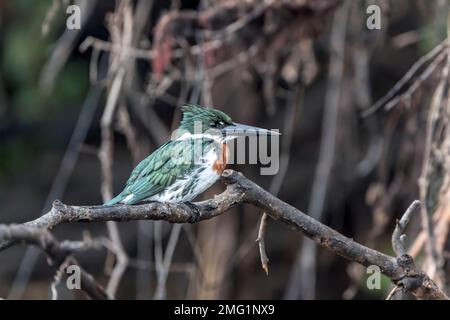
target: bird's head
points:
(198, 119)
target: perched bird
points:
(190, 163)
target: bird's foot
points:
(195, 217)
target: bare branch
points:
(398, 236)
(294, 102)
(58, 253)
(430, 56)
(65, 44)
(262, 244)
(391, 294)
(239, 189)
(166, 262)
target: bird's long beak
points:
(238, 129)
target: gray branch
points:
(398, 236)
(57, 252)
(400, 270)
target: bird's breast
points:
(221, 159)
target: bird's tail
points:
(114, 200)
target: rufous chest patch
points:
(220, 164)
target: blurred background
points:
(79, 108)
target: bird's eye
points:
(216, 124)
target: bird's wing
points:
(158, 171)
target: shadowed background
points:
(79, 108)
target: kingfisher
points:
(189, 163)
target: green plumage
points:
(193, 114)
(175, 161)
(158, 171)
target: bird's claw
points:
(195, 212)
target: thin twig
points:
(120, 27)
(58, 253)
(394, 290)
(262, 243)
(398, 237)
(57, 279)
(406, 96)
(425, 182)
(406, 78)
(64, 46)
(167, 261)
(290, 119)
(106, 160)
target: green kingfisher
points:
(189, 163)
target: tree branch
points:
(59, 253)
(398, 238)
(239, 189)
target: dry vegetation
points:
(303, 66)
